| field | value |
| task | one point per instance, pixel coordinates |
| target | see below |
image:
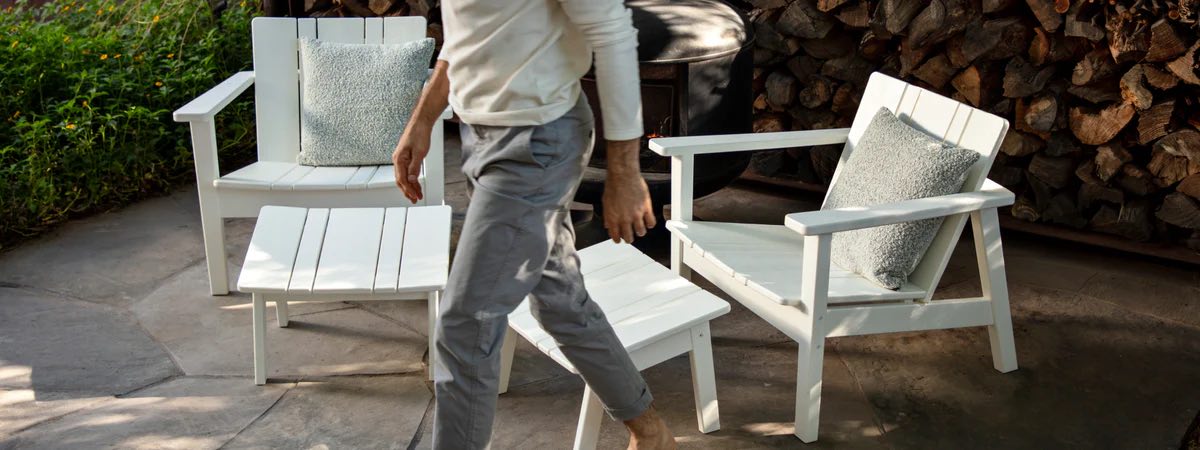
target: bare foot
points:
(649, 432)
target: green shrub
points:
(88, 90)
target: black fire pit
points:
(696, 72)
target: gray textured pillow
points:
(357, 98)
(893, 162)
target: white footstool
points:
(344, 254)
(657, 316)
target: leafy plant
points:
(89, 86)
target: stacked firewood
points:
(1103, 95)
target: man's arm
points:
(414, 143)
(608, 27)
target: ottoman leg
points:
(260, 346)
(433, 305)
(587, 433)
(704, 380)
(281, 313)
(506, 358)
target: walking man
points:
(511, 69)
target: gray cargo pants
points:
(518, 240)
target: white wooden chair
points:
(783, 272)
(276, 178)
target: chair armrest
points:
(212, 102)
(695, 145)
(845, 219)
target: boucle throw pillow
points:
(357, 98)
(893, 162)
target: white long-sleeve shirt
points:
(518, 62)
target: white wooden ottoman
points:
(344, 254)
(657, 315)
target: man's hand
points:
(414, 143)
(407, 158)
(627, 208)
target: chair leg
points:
(506, 358)
(704, 384)
(808, 389)
(260, 347)
(587, 433)
(433, 304)
(213, 227)
(281, 313)
(990, 255)
(811, 350)
(677, 264)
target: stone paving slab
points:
(529, 366)
(757, 387)
(212, 335)
(382, 412)
(112, 258)
(24, 408)
(1154, 292)
(184, 413)
(1164, 289)
(1091, 376)
(50, 344)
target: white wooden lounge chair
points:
(276, 178)
(783, 272)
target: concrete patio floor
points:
(108, 338)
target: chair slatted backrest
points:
(947, 119)
(277, 72)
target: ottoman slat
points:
(268, 264)
(391, 250)
(426, 250)
(351, 245)
(305, 270)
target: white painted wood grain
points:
(373, 30)
(933, 114)
(385, 177)
(308, 253)
(597, 257)
(276, 94)
(326, 178)
(399, 30)
(347, 263)
(362, 176)
(391, 251)
(426, 249)
(214, 100)
(272, 251)
(695, 145)
(345, 30)
(286, 182)
(259, 175)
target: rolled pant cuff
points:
(631, 411)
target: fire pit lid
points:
(678, 31)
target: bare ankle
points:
(649, 432)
